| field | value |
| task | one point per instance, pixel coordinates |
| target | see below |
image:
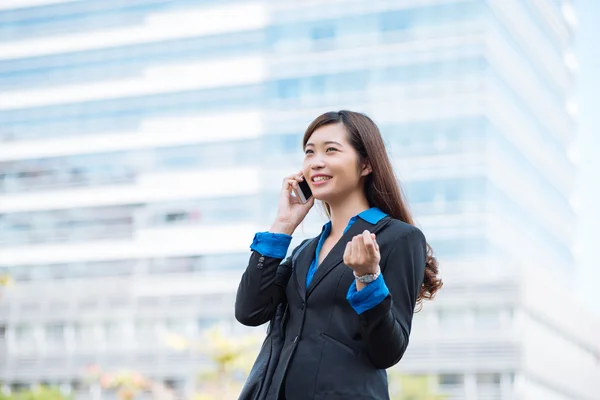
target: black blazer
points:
(331, 352)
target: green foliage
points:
(5, 280)
(41, 393)
(413, 387)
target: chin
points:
(324, 197)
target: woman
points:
(351, 293)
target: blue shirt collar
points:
(373, 215)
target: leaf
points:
(413, 387)
(40, 393)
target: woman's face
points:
(331, 164)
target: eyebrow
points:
(327, 142)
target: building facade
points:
(142, 144)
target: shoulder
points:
(402, 240)
(398, 231)
(303, 244)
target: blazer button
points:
(302, 306)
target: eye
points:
(308, 151)
(332, 149)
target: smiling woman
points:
(341, 306)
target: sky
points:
(587, 48)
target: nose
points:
(317, 163)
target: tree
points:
(39, 393)
(231, 360)
(412, 387)
(127, 384)
(5, 281)
(233, 357)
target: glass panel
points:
(487, 318)
(85, 333)
(145, 330)
(24, 334)
(55, 332)
(488, 379)
(452, 319)
(67, 225)
(451, 379)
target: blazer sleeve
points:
(386, 327)
(262, 288)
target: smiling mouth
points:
(321, 178)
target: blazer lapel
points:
(303, 262)
(336, 254)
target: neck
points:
(342, 212)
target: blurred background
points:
(143, 142)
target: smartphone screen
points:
(305, 189)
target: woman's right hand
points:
(291, 211)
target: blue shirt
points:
(276, 245)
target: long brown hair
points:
(381, 186)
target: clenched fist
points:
(362, 254)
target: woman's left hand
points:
(362, 254)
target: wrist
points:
(284, 227)
(368, 276)
(370, 271)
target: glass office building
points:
(143, 143)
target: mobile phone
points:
(304, 194)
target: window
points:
(30, 307)
(489, 379)
(68, 171)
(181, 300)
(202, 211)
(18, 387)
(177, 326)
(85, 333)
(395, 20)
(108, 63)
(322, 37)
(323, 32)
(318, 85)
(67, 225)
(118, 302)
(487, 318)
(452, 319)
(175, 384)
(176, 217)
(88, 305)
(149, 302)
(207, 323)
(288, 88)
(55, 333)
(114, 332)
(24, 333)
(174, 265)
(71, 271)
(222, 262)
(282, 144)
(145, 330)
(58, 306)
(451, 379)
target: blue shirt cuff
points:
(271, 244)
(369, 296)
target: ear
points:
(366, 169)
